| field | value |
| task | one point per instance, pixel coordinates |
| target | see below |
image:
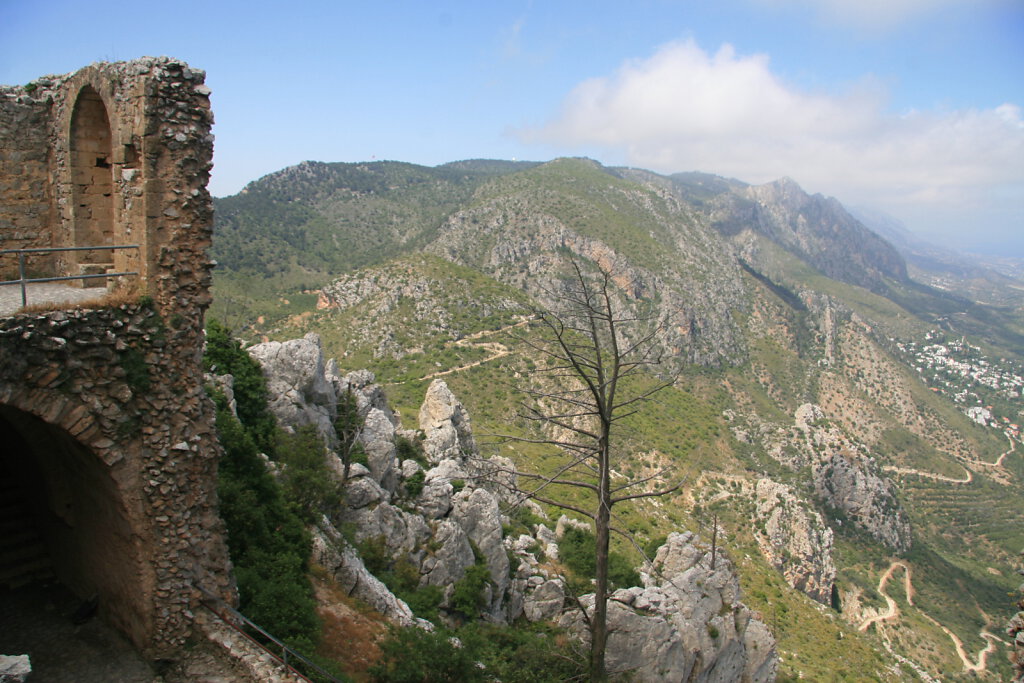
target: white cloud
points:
(876, 14)
(684, 109)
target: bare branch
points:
(651, 494)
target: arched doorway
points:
(92, 182)
(68, 517)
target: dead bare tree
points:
(590, 350)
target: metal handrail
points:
(22, 280)
(285, 650)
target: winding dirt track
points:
(892, 612)
(931, 475)
(496, 349)
(892, 609)
(970, 475)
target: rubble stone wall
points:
(119, 153)
(112, 154)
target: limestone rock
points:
(544, 600)
(448, 564)
(378, 438)
(476, 511)
(853, 484)
(445, 423)
(351, 574)
(299, 391)
(226, 384)
(362, 385)
(435, 501)
(15, 668)
(686, 622)
(795, 540)
(400, 532)
(361, 491)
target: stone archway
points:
(69, 516)
(92, 181)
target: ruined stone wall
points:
(112, 154)
(124, 383)
(116, 381)
(26, 201)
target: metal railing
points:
(23, 281)
(287, 657)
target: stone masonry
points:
(102, 409)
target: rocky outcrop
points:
(352, 576)
(686, 623)
(445, 423)
(300, 390)
(852, 484)
(439, 529)
(795, 540)
(846, 478)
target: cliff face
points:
(795, 539)
(521, 230)
(817, 229)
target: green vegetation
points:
(478, 652)
(224, 356)
(268, 543)
(306, 482)
(577, 550)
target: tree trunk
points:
(602, 524)
(599, 624)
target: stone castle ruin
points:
(109, 455)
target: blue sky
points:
(913, 107)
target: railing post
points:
(21, 276)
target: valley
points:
(822, 442)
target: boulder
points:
(685, 623)
(435, 501)
(445, 423)
(15, 668)
(543, 600)
(348, 570)
(378, 439)
(400, 532)
(476, 511)
(447, 564)
(299, 390)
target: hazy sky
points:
(910, 106)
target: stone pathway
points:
(44, 292)
(36, 620)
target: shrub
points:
(414, 484)
(409, 449)
(468, 593)
(224, 356)
(308, 484)
(266, 540)
(412, 655)
(578, 550)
